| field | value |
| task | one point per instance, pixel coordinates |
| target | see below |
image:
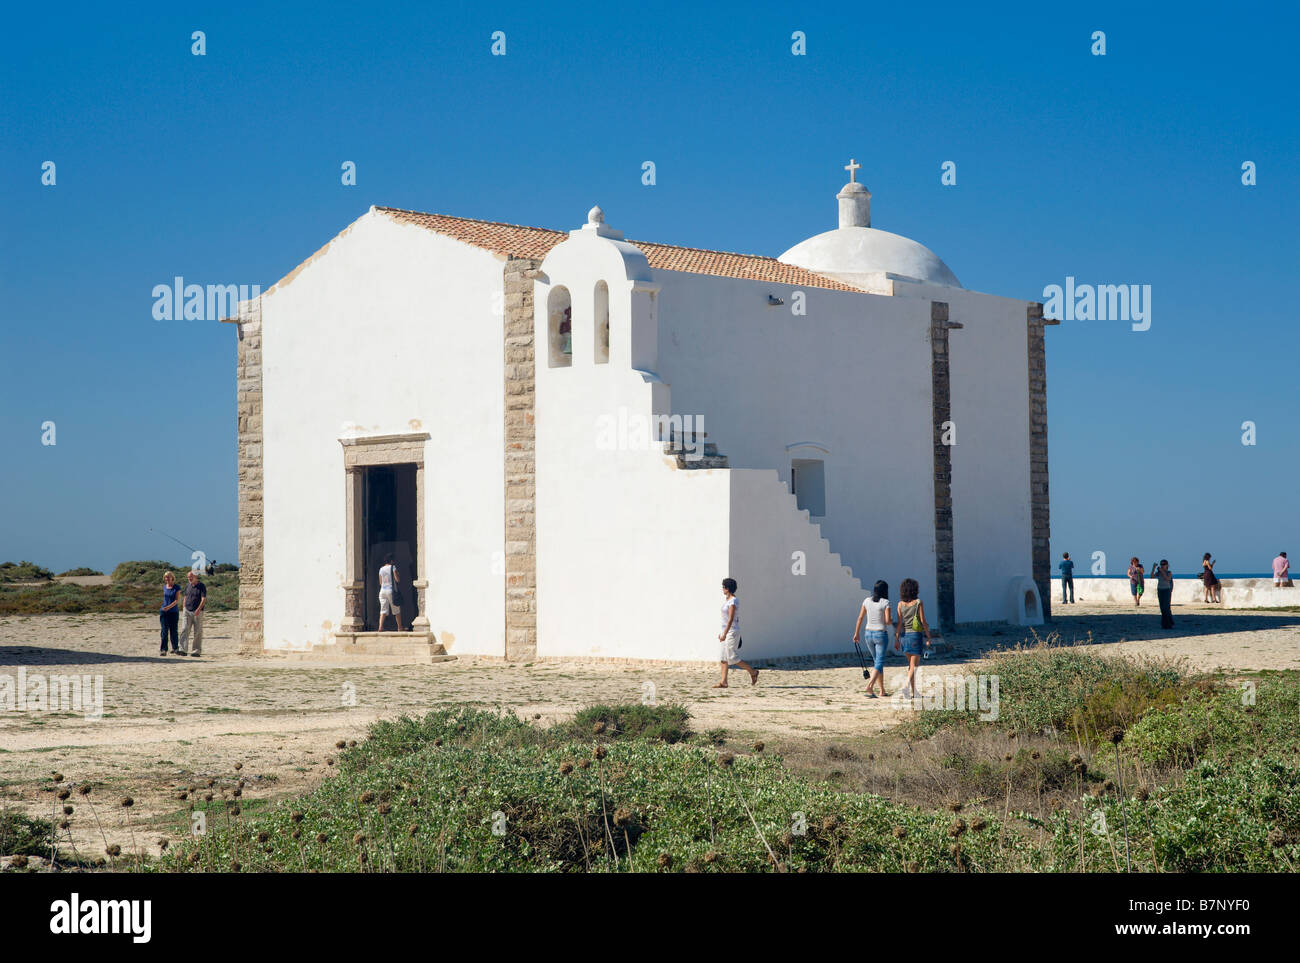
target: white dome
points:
(853, 254)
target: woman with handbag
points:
(908, 629)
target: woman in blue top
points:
(170, 613)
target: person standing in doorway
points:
(388, 605)
(1135, 580)
(169, 615)
(908, 628)
(1281, 570)
(1165, 593)
(1067, 577)
(875, 611)
(196, 597)
(729, 637)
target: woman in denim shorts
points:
(875, 612)
(909, 627)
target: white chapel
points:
(567, 439)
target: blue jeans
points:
(877, 644)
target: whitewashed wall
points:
(1238, 593)
(853, 376)
(390, 329)
(992, 519)
(631, 552)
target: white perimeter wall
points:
(853, 375)
(392, 329)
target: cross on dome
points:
(853, 167)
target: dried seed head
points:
(207, 797)
(296, 817)
(329, 760)
(584, 763)
(600, 752)
(67, 810)
(322, 838)
(913, 867)
(622, 817)
(341, 744)
(384, 809)
(787, 838)
(126, 802)
(977, 824)
(263, 836)
(352, 743)
(599, 727)
(726, 758)
(296, 834)
(64, 824)
(57, 776)
(438, 741)
(211, 783)
(236, 792)
(957, 828)
(1035, 755)
(238, 766)
(413, 829)
(193, 858)
(64, 793)
(829, 823)
(359, 838)
(367, 798)
(759, 746)
(900, 832)
(163, 844)
(566, 767)
(182, 795)
(711, 856)
(665, 861)
(113, 849)
(954, 806)
(84, 790)
(1276, 838)
(1143, 793)
(1115, 735)
(234, 866)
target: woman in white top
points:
(729, 637)
(875, 611)
(388, 579)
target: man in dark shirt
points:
(1067, 577)
(196, 597)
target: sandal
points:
(720, 685)
(753, 677)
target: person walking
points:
(1281, 570)
(909, 626)
(1213, 586)
(1165, 593)
(1135, 580)
(196, 597)
(729, 638)
(169, 615)
(1067, 577)
(875, 612)
(388, 598)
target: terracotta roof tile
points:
(514, 240)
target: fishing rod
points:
(207, 564)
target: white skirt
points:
(730, 648)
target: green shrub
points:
(79, 572)
(23, 572)
(22, 835)
(666, 723)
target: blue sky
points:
(225, 168)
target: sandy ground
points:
(171, 722)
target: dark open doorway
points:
(389, 514)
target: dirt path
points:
(171, 722)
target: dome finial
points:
(855, 199)
(596, 215)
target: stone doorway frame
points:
(359, 453)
